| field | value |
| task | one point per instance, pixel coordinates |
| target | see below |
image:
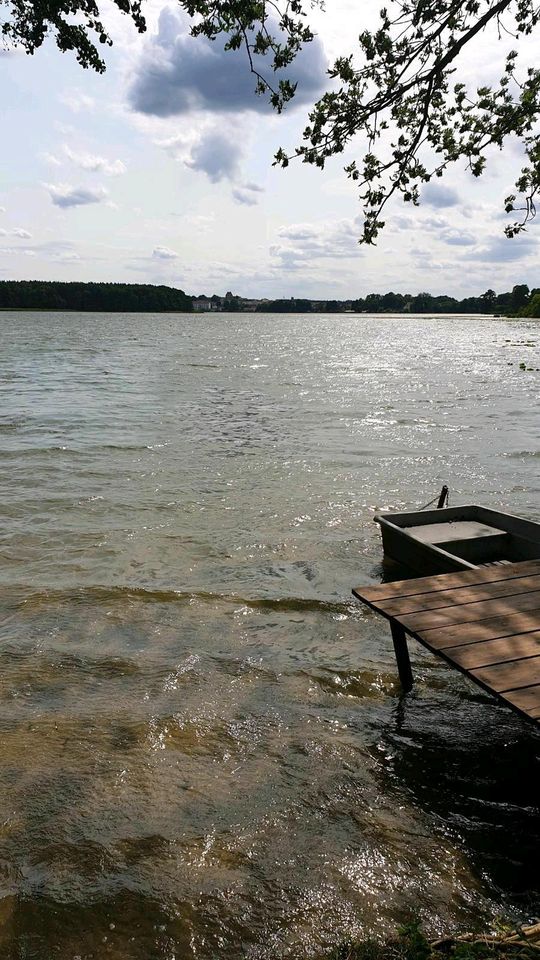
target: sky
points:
(160, 171)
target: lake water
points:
(204, 748)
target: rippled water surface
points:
(204, 750)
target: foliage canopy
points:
(75, 24)
(398, 90)
(108, 297)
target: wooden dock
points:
(485, 622)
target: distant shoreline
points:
(96, 297)
(206, 313)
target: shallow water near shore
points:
(205, 752)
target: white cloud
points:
(434, 223)
(302, 243)
(87, 161)
(247, 193)
(215, 150)
(77, 101)
(164, 253)
(200, 222)
(67, 257)
(17, 251)
(16, 232)
(458, 238)
(51, 159)
(176, 146)
(244, 197)
(217, 154)
(502, 250)
(58, 251)
(435, 194)
(177, 74)
(51, 251)
(96, 164)
(439, 227)
(65, 195)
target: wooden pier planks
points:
(460, 595)
(445, 581)
(485, 622)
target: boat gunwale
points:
(448, 514)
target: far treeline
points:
(99, 297)
(141, 298)
(520, 301)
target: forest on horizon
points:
(140, 298)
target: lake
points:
(205, 750)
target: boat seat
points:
(446, 532)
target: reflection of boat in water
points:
(457, 538)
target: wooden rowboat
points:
(457, 538)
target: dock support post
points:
(402, 655)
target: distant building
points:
(229, 302)
(203, 305)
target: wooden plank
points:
(406, 588)
(469, 612)
(459, 595)
(527, 700)
(510, 676)
(482, 654)
(481, 630)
